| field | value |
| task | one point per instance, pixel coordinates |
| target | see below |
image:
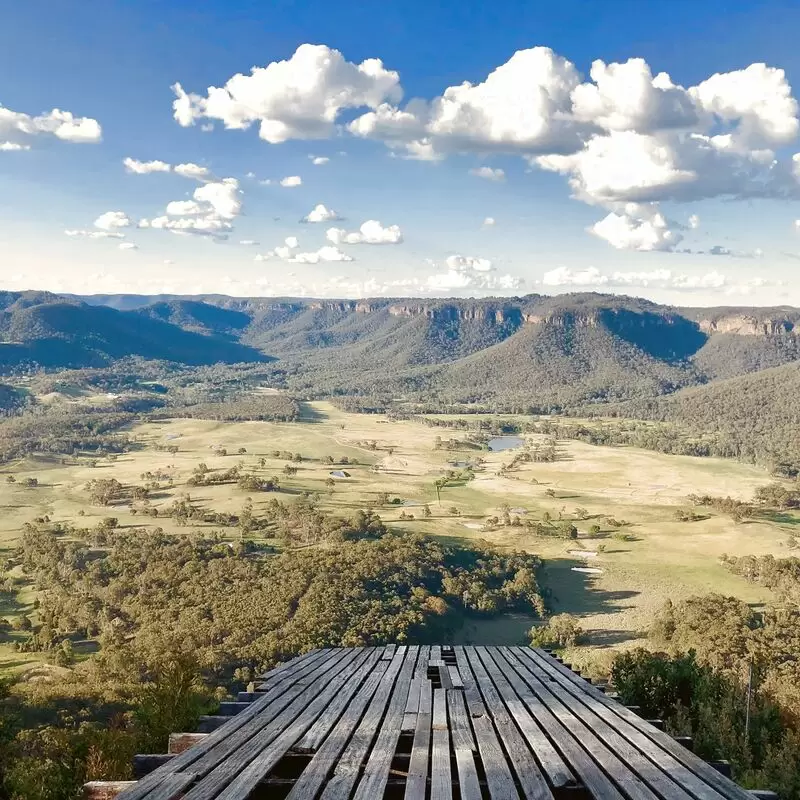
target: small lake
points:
(505, 443)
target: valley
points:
(613, 576)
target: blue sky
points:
(682, 189)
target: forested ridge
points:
(534, 353)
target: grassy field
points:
(627, 581)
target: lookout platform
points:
(428, 722)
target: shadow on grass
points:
(781, 517)
(309, 414)
(611, 637)
(574, 592)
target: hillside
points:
(751, 417)
(531, 352)
(52, 331)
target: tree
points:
(172, 700)
(562, 630)
(426, 511)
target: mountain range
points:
(548, 352)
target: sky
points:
(365, 149)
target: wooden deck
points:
(431, 722)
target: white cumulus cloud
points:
(325, 253)
(488, 222)
(223, 196)
(371, 232)
(291, 181)
(299, 98)
(15, 125)
(321, 213)
(497, 175)
(128, 246)
(144, 167)
(194, 171)
(7, 147)
(318, 161)
(461, 263)
(637, 228)
(661, 278)
(185, 208)
(112, 219)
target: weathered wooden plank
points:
(643, 769)
(499, 780)
(293, 699)
(592, 777)
(455, 677)
(444, 676)
(376, 770)
(441, 774)
(315, 735)
(684, 777)
(388, 652)
(306, 668)
(417, 780)
(469, 786)
(471, 694)
(676, 770)
(460, 729)
(172, 786)
(105, 790)
(242, 770)
(686, 757)
(499, 693)
(316, 773)
(347, 768)
(523, 763)
(178, 742)
(423, 657)
(628, 782)
(440, 710)
(436, 652)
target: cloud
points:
(94, 234)
(128, 246)
(201, 226)
(194, 171)
(489, 222)
(497, 175)
(291, 181)
(371, 232)
(522, 106)
(144, 167)
(188, 170)
(637, 228)
(299, 98)
(188, 208)
(318, 161)
(64, 125)
(661, 278)
(321, 214)
(459, 280)
(694, 222)
(291, 241)
(326, 253)
(112, 219)
(223, 196)
(720, 250)
(461, 263)
(248, 242)
(7, 147)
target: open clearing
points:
(663, 558)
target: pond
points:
(505, 443)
